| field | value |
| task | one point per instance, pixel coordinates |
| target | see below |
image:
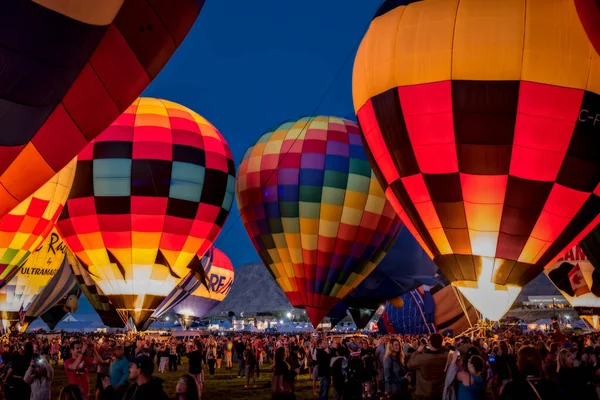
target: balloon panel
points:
(61, 84)
(314, 211)
(589, 15)
(99, 301)
(186, 287)
(30, 280)
(578, 281)
(405, 267)
(24, 229)
(153, 191)
(220, 281)
(488, 152)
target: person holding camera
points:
(39, 376)
(76, 367)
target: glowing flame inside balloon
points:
(492, 300)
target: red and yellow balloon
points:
(481, 120)
(151, 193)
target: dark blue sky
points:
(247, 66)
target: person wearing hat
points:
(144, 386)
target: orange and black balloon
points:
(482, 122)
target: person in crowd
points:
(240, 348)
(102, 366)
(429, 362)
(76, 367)
(187, 388)
(323, 362)
(119, 370)
(471, 381)
(380, 353)
(251, 364)
(71, 392)
(196, 363)
(528, 381)
(336, 365)
(144, 386)
(395, 384)
(211, 357)
(173, 355)
(228, 354)
(283, 377)
(39, 377)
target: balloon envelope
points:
(405, 267)
(67, 70)
(314, 210)
(203, 299)
(482, 137)
(192, 281)
(152, 192)
(24, 229)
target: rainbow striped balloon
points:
(314, 210)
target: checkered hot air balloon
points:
(482, 122)
(203, 299)
(24, 229)
(24, 289)
(314, 210)
(151, 192)
(67, 70)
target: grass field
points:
(224, 385)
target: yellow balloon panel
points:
(27, 225)
(41, 266)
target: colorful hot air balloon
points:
(481, 120)
(99, 301)
(579, 282)
(314, 211)
(192, 281)
(151, 192)
(24, 229)
(202, 300)
(30, 282)
(67, 70)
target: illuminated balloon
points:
(99, 301)
(67, 70)
(202, 300)
(482, 123)
(51, 304)
(151, 192)
(24, 229)
(30, 282)
(579, 282)
(426, 310)
(314, 211)
(192, 281)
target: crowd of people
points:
(509, 365)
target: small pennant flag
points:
(578, 282)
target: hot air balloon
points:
(24, 229)
(579, 282)
(480, 122)
(426, 310)
(151, 192)
(203, 299)
(314, 210)
(67, 70)
(30, 281)
(99, 301)
(49, 304)
(405, 267)
(192, 281)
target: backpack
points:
(354, 369)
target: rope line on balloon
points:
(322, 99)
